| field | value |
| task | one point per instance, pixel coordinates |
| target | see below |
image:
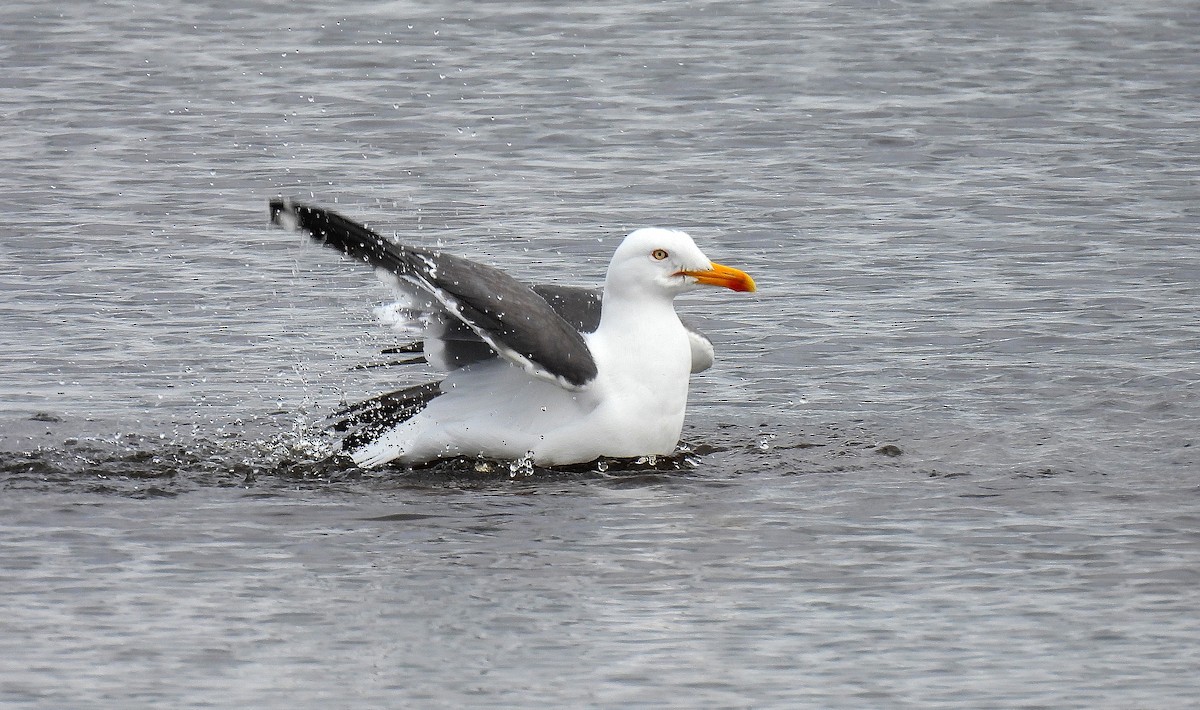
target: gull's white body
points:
(635, 405)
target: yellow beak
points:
(726, 276)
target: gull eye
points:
(659, 254)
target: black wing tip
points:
(366, 421)
(391, 363)
(290, 214)
(280, 206)
(331, 229)
(413, 347)
(582, 377)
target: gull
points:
(551, 374)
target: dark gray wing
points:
(510, 317)
(452, 344)
(578, 306)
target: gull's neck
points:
(644, 310)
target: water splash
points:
(522, 467)
(651, 461)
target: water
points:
(946, 459)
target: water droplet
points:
(522, 466)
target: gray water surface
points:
(947, 456)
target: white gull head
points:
(665, 263)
